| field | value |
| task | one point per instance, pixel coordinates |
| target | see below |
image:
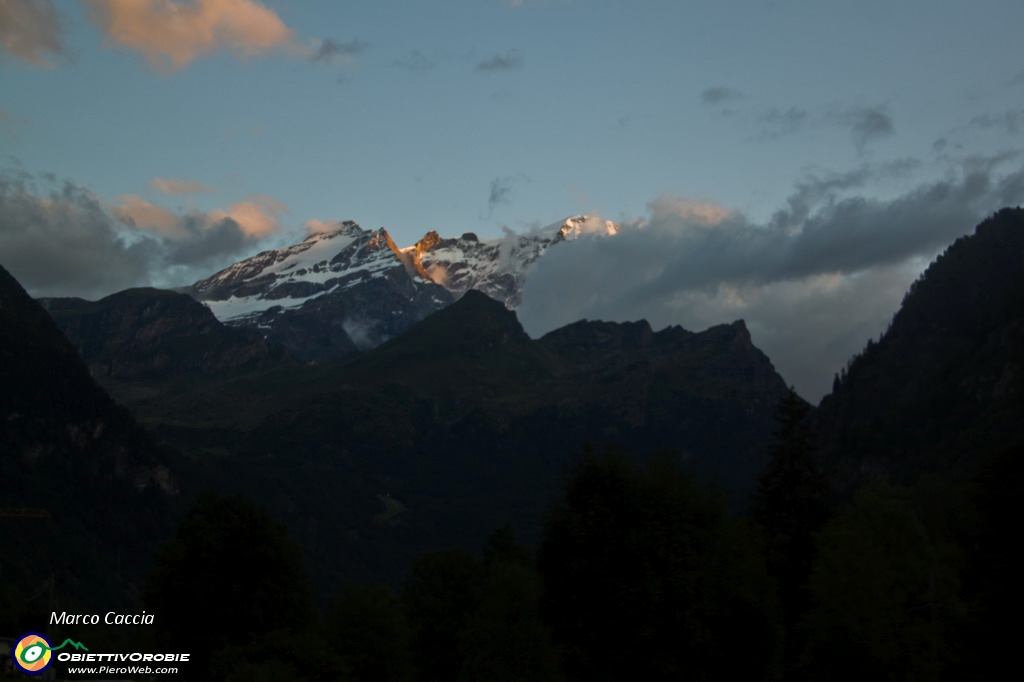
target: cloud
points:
(1018, 79)
(147, 216)
(777, 122)
(694, 212)
(718, 94)
(330, 51)
(63, 242)
(501, 62)
(172, 34)
(1011, 121)
(207, 245)
(814, 281)
(415, 61)
(501, 190)
(867, 124)
(179, 186)
(60, 239)
(31, 31)
(315, 226)
(257, 217)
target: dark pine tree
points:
(790, 506)
(505, 639)
(647, 578)
(439, 598)
(367, 627)
(228, 576)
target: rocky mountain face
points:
(70, 452)
(497, 267)
(331, 295)
(146, 334)
(352, 289)
(945, 382)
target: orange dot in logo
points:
(32, 653)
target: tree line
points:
(640, 574)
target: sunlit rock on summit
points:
(348, 289)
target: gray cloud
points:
(415, 61)
(1010, 121)
(62, 241)
(718, 94)
(31, 31)
(501, 190)
(1018, 79)
(776, 122)
(207, 245)
(867, 124)
(814, 281)
(501, 62)
(331, 50)
(59, 239)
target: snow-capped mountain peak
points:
(346, 285)
(288, 277)
(498, 267)
(579, 225)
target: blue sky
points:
(472, 115)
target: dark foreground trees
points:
(480, 620)
(228, 577)
(646, 577)
(789, 509)
(886, 598)
(640, 574)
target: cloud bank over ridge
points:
(813, 282)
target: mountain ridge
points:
(147, 333)
(349, 289)
(106, 489)
(948, 370)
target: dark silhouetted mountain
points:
(943, 383)
(463, 424)
(68, 449)
(141, 334)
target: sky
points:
(793, 163)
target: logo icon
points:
(32, 653)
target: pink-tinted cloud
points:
(31, 31)
(179, 186)
(316, 226)
(689, 211)
(148, 216)
(257, 217)
(172, 34)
